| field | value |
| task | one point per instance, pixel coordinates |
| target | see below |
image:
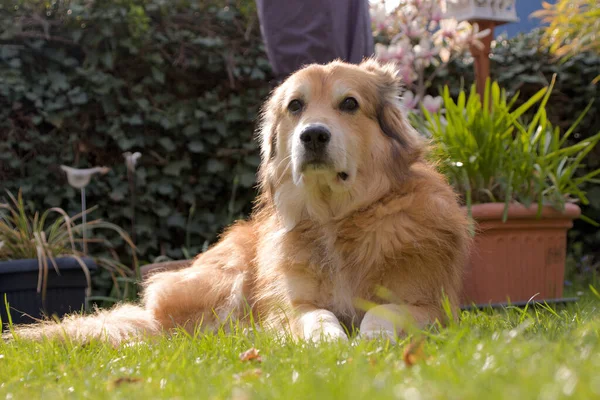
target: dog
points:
(352, 227)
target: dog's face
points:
(333, 138)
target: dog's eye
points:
(349, 104)
(295, 106)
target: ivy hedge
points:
(82, 82)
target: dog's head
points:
(333, 139)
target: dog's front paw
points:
(384, 322)
(322, 325)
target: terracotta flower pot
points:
(517, 259)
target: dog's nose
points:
(315, 138)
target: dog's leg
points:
(215, 288)
(201, 296)
(391, 320)
(290, 306)
(318, 325)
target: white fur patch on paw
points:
(382, 322)
(322, 325)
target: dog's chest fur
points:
(350, 259)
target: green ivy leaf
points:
(55, 120)
(158, 75)
(163, 211)
(165, 188)
(191, 130)
(135, 119)
(208, 41)
(119, 193)
(176, 220)
(247, 179)
(126, 143)
(58, 81)
(175, 168)
(167, 143)
(108, 60)
(78, 98)
(196, 146)
(214, 166)
(15, 63)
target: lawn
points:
(541, 353)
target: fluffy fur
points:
(371, 237)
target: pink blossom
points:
(413, 29)
(409, 101)
(432, 104)
(401, 51)
(419, 38)
(407, 73)
(381, 52)
(445, 54)
(469, 35)
(425, 52)
(379, 17)
(436, 13)
(476, 35)
(447, 30)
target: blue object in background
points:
(525, 23)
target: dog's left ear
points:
(407, 145)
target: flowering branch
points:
(421, 39)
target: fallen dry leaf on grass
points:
(251, 355)
(413, 353)
(122, 380)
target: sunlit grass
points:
(538, 353)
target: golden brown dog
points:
(348, 210)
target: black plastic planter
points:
(65, 292)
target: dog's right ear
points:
(267, 139)
(266, 132)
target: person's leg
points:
(300, 32)
(352, 24)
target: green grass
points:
(541, 353)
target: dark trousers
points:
(300, 32)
